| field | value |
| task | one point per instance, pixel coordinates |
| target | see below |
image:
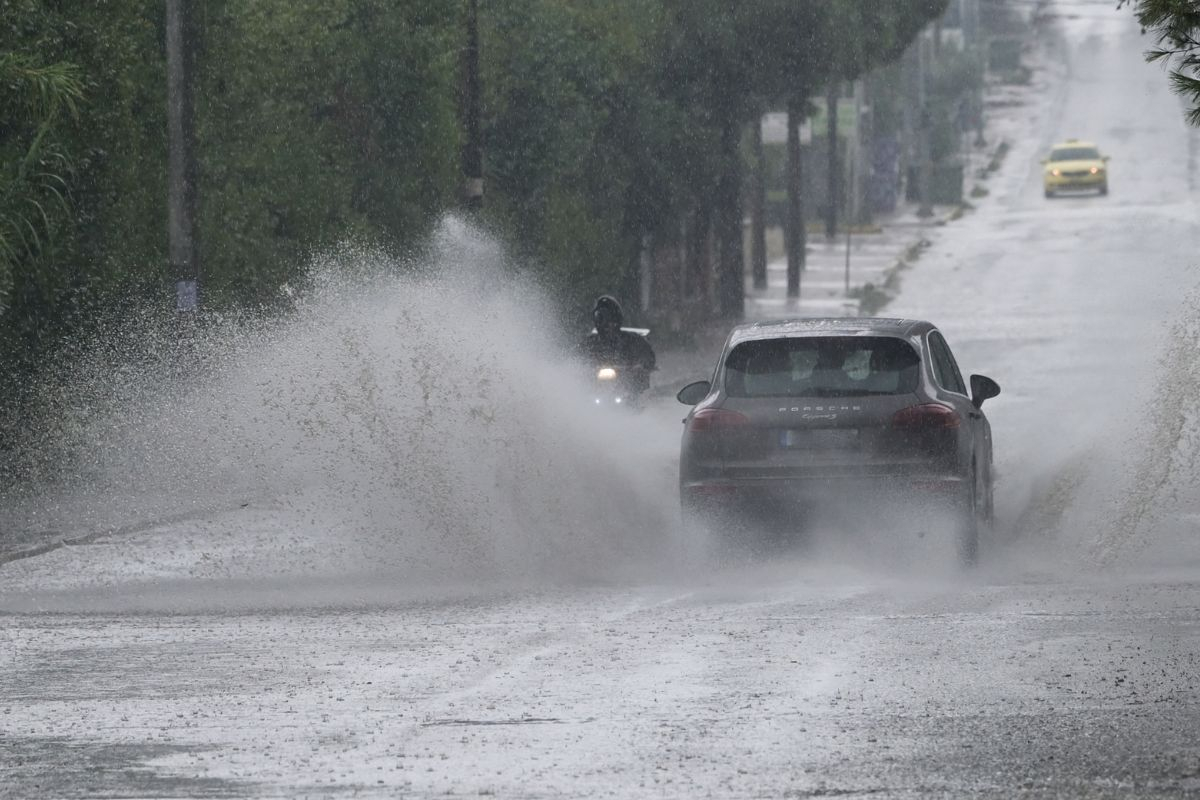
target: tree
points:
(351, 132)
(33, 182)
(98, 175)
(806, 46)
(1175, 25)
(577, 137)
(712, 63)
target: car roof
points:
(1073, 143)
(828, 326)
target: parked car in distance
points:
(857, 410)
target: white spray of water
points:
(423, 424)
(1157, 512)
(1121, 483)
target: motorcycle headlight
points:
(606, 374)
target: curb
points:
(7, 557)
(49, 547)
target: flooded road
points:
(277, 650)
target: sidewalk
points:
(875, 258)
(837, 283)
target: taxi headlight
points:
(606, 374)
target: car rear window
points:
(825, 366)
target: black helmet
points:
(607, 312)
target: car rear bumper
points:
(828, 491)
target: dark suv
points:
(858, 411)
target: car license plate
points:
(819, 439)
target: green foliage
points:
(804, 44)
(93, 123)
(1175, 25)
(320, 120)
(574, 133)
(316, 121)
(33, 202)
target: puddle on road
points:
(35, 766)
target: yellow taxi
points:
(1075, 164)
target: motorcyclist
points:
(608, 345)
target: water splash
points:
(415, 417)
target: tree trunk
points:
(731, 264)
(797, 237)
(924, 163)
(834, 165)
(758, 211)
(182, 250)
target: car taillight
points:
(926, 416)
(711, 420)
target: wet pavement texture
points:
(264, 652)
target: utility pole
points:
(730, 228)
(977, 47)
(797, 236)
(832, 94)
(758, 210)
(968, 12)
(472, 153)
(853, 193)
(925, 162)
(182, 250)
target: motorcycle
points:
(613, 388)
(618, 385)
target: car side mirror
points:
(1106, 158)
(1045, 161)
(694, 392)
(983, 388)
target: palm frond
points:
(44, 89)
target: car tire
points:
(969, 525)
(1104, 189)
(1049, 194)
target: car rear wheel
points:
(969, 525)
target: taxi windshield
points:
(1074, 154)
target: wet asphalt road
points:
(810, 683)
(174, 663)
